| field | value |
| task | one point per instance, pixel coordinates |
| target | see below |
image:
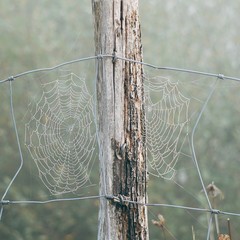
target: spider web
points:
(166, 125)
(60, 134)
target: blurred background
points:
(198, 35)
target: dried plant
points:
(193, 233)
(160, 223)
(223, 237)
(214, 192)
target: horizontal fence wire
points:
(116, 199)
(114, 57)
(24, 202)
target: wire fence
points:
(210, 209)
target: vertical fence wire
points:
(18, 144)
(192, 142)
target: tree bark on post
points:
(121, 120)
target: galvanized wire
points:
(115, 58)
(19, 148)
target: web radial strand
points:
(61, 134)
(166, 125)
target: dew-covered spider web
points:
(166, 125)
(60, 134)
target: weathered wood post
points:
(120, 120)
